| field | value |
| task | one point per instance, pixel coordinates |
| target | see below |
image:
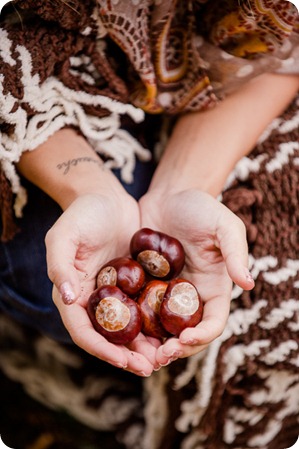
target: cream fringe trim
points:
(57, 106)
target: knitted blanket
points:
(243, 391)
(91, 64)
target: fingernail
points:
(170, 360)
(144, 374)
(166, 363)
(118, 364)
(172, 354)
(67, 294)
(190, 342)
(248, 275)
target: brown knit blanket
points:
(243, 391)
(90, 64)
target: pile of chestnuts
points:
(143, 293)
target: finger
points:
(195, 339)
(77, 322)
(173, 349)
(154, 341)
(61, 254)
(215, 314)
(144, 346)
(95, 344)
(231, 235)
(137, 363)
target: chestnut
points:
(150, 300)
(181, 307)
(161, 255)
(124, 272)
(114, 315)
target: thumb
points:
(61, 254)
(231, 236)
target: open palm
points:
(216, 255)
(93, 230)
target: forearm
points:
(205, 146)
(65, 167)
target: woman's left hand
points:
(215, 244)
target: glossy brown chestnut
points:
(124, 272)
(181, 307)
(161, 255)
(114, 315)
(150, 300)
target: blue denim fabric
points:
(25, 289)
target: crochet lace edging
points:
(56, 107)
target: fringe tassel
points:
(9, 227)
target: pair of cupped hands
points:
(97, 227)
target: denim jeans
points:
(25, 289)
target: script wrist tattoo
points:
(67, 165)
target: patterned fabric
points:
(89, 64)
(243, 391)
(79, 65)
(174, 47)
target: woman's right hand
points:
(94, 229)
(98, 221)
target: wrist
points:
(205, 146)
(211, 181)
(66, 167)
(195, 159)
(97, 180)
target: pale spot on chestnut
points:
(181, 307)
(183, 299)
(107, 276)
(123, 272)
(161, 255)
(155, 299)
(112, 314)
(154, 263)
(150, 300)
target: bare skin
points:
(99, 217)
